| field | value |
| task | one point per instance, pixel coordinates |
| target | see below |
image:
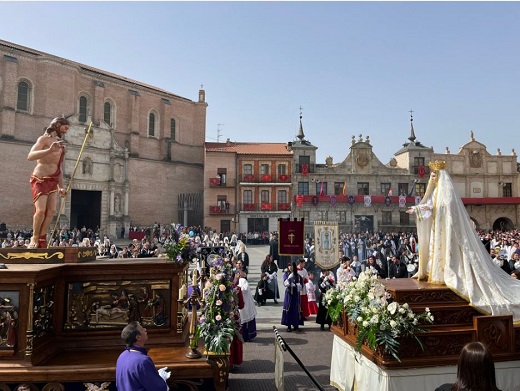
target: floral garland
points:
(182, 248)
(380, 321)
(219, 321)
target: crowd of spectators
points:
(390, 251)
(383, 248)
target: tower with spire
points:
(304, 159)
(413, 154)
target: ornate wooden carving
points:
(109, 304)
(43, 308)
(456, 324)
(496, 332)
(53, 387)
(220, 366)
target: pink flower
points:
(222, 287)
(218, 318)
(219, 302)
(218, 276)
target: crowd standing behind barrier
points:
(503, 246)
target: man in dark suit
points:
(397, 269)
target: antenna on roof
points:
(219, 132)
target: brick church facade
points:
(142, 163)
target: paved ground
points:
(312, 346)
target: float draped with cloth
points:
(451, 252)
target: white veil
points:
(456, 256)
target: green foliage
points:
(219, 321)
(182, 248)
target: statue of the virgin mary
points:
(451, 252)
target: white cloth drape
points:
(451, 252)
(350, 370)
(247, 313)
(278, 366)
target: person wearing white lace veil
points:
(451, 253)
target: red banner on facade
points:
(291, 236)
(421, 171)
(299, 200)
(305, 169)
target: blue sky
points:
(354, 67)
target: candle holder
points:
(194, 301)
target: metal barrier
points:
(287, 348)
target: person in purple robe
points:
(292, 313)
(135, 370)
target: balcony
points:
(284, 206)
(250, 178)
(216, 182)
(415, 170)
(284, 178)
(267, 207)
(310, 167)
(266, 178)
(221, 210)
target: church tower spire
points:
(412, 137)
(301, 135)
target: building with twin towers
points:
(265, 182)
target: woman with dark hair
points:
(475, 370)
(292, 312)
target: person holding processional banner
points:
(291, 239)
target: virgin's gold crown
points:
(437, 165)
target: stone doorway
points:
(503, 224)
(225, 226)
(364, 223)
(85, 209)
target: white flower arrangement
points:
(380, 321)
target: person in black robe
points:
(325, 283)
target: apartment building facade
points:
(247, 186)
